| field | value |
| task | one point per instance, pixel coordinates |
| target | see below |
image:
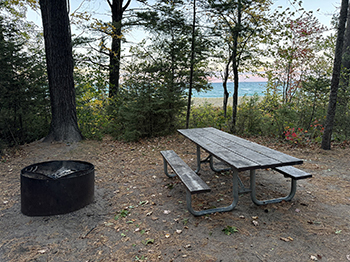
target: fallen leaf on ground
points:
(255, 223)
(286, 239)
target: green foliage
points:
(341, 129)
(92, 103)
(313, 100)
(155, 80)
(207, 115)
(149, 103)
(123, 213)
(228, 230)
(24, 103)
(152, 96)
(250, 119)
(276, 114)
(292, 51)
(298, 123)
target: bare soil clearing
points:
(140, 214)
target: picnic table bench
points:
(239, 155)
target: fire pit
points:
(56, 187)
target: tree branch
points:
(109, 3)
(126, 5)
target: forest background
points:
(135, 90)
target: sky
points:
(324, 15)
(327, 8)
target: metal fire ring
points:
(56, 187)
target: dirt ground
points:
(140, 214)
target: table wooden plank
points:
(261, 159)
(284, 158)
(227, 156)
(237, 152)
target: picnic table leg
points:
(209, 160)
(218, 209)
(269, 201)
(166, 169)
(211, 163)
(243, 189)
(198, 159)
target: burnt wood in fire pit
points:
(56, 187)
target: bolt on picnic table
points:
(237, 153)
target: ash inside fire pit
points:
(63, 171)
(56, 187)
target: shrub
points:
(249, 116)
(207, 115)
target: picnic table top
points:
(237, 152)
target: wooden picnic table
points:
(240, 155)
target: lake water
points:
(244, 88)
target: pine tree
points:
(24, 103)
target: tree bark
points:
(346, 47)
(117, 9)
(345, 70)
(327, 135)
(235, 64)
(59, 59)
(235, 95)
(224, 85)
(192, 65)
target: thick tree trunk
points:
(327, 135)
(59, 59)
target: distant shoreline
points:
(214, 101)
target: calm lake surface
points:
(244, 88)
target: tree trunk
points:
(235, 67)
(59, 59)
(327, 135)
(346, 48)
(235, 96)
(224, 85)
(115, 53)
(192, 65)
(345, 71)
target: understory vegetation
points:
(299, 123)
